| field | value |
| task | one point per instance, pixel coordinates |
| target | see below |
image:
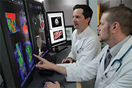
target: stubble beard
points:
(105, 39)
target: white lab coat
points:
(88, 48)
(120, 79)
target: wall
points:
(63, 5)
(127, 3)
(103, 1)
(111, 3)
(93, 23)
(67, 7)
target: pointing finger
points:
(40, 58)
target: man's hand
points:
(43, 64)
(67, 60)
(52, 85)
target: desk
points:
(37, 79)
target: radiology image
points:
(58, 35)
(56, 21)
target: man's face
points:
(79, 21)
(104, 29)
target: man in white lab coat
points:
(115, 28)
(85, 42)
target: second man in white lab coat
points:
(85, 42)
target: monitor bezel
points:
(53, 45)
(10, 51)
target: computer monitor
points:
(36, 15)
(17, 59)
(56, 28)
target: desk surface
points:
(38, 79)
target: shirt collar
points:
(114, 50)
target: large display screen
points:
(56, 27)
(18, 40)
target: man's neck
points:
(116, 41)
(79, 31)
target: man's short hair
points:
(122, 15)
(87, 11)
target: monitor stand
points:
(59, 48)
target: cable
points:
(120, 1)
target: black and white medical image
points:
(56, 21)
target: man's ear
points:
(115, 27)
(88, 19)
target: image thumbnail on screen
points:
(58, 34)
(56, 21)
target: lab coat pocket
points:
(110, 74)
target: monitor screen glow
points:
(18, 41)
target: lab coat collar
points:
(85, 34)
